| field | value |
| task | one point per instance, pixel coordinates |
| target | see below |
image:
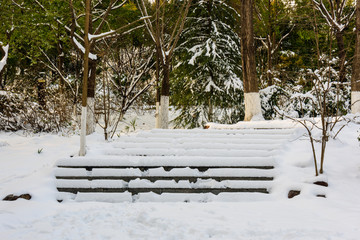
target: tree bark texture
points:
(355, 78)
(248, 47)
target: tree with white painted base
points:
(4, 50)
(82, 151)
(165, 38)
(251, 90)
(355, 78)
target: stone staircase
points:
(176, 165)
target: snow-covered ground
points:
(26, 166)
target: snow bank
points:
(280, 124)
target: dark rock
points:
(293, 193)
(12, 197)
(321, 195)
(321, 183)
(25, 196)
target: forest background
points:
(42, 52)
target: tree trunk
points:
(90, 121)
(342, 55)
(165, 92)
(60, 59)
(270, 46)
(355, 78)
(82, 151)
(158, 61)
(251, 91)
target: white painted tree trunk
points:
(355, 102)
(157, 115)
(4, 59)
(82, 151)
(164, 112)
(252, 106)
(90, 116)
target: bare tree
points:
(275, 12)
(126, 77)
(165, 46)
(251, 90)
(324, 87)
(338, 19)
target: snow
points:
(81, 47)
(200, 216)
(97, 36)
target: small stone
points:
(321, 183)
(321, 195)
(206, 127)
(293, 193)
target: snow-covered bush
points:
(20, 112)
(302, 100)
(272, 98)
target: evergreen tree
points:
(206, 78)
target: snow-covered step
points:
(214, 135)
(162, 186)
(202, 197)
(176, 165)
(191, 179)
(161, 172)
(218, 132)
(190, 152)
(167, 161)
(197, 145)
(169, 197)
(198, 140)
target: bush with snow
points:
(20, 112)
